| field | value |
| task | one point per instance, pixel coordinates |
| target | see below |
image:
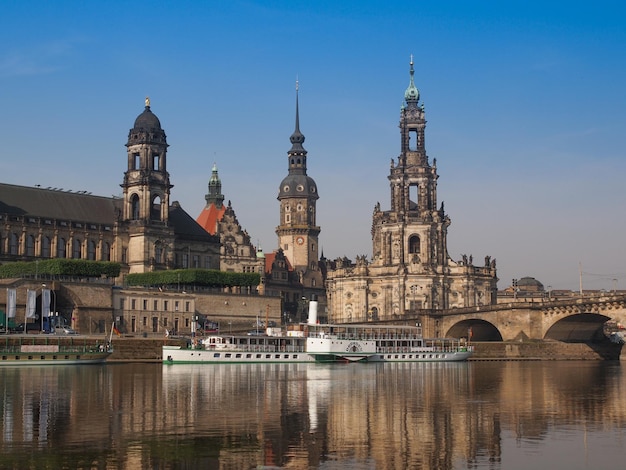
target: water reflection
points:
(355, 416)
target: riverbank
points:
(133, 349)
(149, 350)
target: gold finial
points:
(147, 101)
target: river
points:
(476, 415)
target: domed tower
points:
(298, 232)
(146, 182)
(146, 190)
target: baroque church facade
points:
(410, 270)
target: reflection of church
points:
(410, 270)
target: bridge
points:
(579, 319)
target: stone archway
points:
(578, 328)
(475, 330)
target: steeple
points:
(297, 154)
(297, 231)
(412, 94)
(215, 195)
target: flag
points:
(11, 303)
(31, 303)
(116, 331)
(45, 303)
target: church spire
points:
(297, 138)
(412, 94)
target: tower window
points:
(136, 161)
(156, 161)
(413, 197)
(155, 213)
(414, 244)
(413, 140)
(134, 205)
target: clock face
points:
(299, 240)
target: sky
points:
(525, 103)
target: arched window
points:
(30, 245)
(45, 247)
(76, 249)
(91, 250)
(414, 244)
(106, 251)
(61, 248)
(155, 208)
(158, 253)
(14, 243)
(134, 207)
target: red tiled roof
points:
(269, 260)
(209, 217)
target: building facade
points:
(237, 253)
(410, 270)
(142, 230)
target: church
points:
(410, 270)
(143, 230)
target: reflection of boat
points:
(22, 351)
(321, 343)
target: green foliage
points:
(197, 277)
(60, 267)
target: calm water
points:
(492, 415)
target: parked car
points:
(31, 326)
(65, 330)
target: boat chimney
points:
(313, 310)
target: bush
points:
(197, 277)
(60, 267)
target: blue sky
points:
(525, 103)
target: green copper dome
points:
(412, 94)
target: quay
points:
(133, 349)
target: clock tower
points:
(297, 231)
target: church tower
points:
(297, 231)
(410, 272)
(414, 232)
(146, 192)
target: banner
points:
(45, 303)
(11, 302)
(31, 303)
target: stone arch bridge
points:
(572, 320)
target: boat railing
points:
(268, 348)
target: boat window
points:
(248, 356)
(238, 355)
(216, 354)
(295, 356)
(258, 356)
(268, 356)
(228, 355)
